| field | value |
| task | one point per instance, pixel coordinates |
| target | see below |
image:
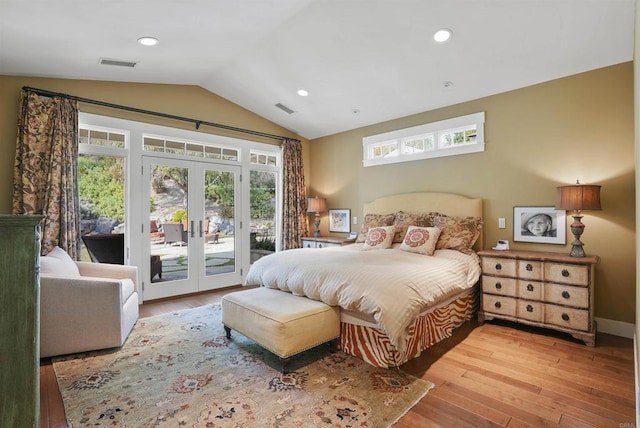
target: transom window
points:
(188, 148)
(260, 158)
(97, 137)
(456, 136)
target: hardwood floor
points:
(492, 375)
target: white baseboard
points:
(635, 367)
(616, 328)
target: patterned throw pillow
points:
(421, 240)
(403, 220)
(374, 220)
(458, 233)
(379, 238)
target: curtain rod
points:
(197, 122)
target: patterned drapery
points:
(294, 198)
(46, 174)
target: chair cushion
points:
(58, 262)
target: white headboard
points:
(445, 203)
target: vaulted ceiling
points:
(362, 62)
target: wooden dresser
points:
(19, 321)
(550, 290)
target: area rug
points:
(179, 369)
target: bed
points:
(395, 302)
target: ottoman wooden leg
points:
(285, 365)
(227, 330)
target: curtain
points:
(45, 174)
(294, 198)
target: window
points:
(190, 148)
(456, 136)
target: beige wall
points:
(186, 101)
(537, 138)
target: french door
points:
(189, 234)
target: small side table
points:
(324, 242)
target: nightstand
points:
(320, 242)
(549, 290)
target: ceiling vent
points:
(117, 62)
(284, 108)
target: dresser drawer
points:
(326, 244)
(531, 290)
(529, 269)
(577, 319)
(528, 310)
(566, 295)
(567, 274)
(499, 305)
(498, 266)
(501, 286)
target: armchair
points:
(85, 306)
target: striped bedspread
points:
(391, 285)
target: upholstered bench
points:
(279, 321)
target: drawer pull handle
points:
(530, 287)
(498, 305)
(529, 308)
(565, 273)
(566, 294)
(565, 317)
(529, 267)
(498, 286)
(498, 266)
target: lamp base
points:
(316, 223)
(577, 228)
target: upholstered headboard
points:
(445, 203)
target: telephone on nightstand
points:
(352, 236)
(502, 245)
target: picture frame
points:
(544, 225)
(339, 220)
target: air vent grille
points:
(284, 108)
(117, 62)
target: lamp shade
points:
(316, 205)
(578, 197)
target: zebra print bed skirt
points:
(373, 346)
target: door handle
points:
(192, 231)
(200, 227)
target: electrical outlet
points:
(355, 220)
(502, 223)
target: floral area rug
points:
(179, 369)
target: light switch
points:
(502, 223)
(355, 220)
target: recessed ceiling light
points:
(442, 35)
(148, 41)
(303, 93)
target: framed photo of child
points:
(544, 225)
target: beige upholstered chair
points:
(84, 306)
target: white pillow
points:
(379, 238)
(58, 262)
(421, 240)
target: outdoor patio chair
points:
(174, 232)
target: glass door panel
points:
(218, 228)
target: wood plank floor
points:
(491, 375)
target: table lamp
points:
(576, 198)
(316, 205)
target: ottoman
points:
(279, 321)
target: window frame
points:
(434, 130)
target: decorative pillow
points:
(403, 220)
(379, 238)
(58, 262)
(458, 233)
(421, 240)
(374, 220)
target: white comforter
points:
(393, 286)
